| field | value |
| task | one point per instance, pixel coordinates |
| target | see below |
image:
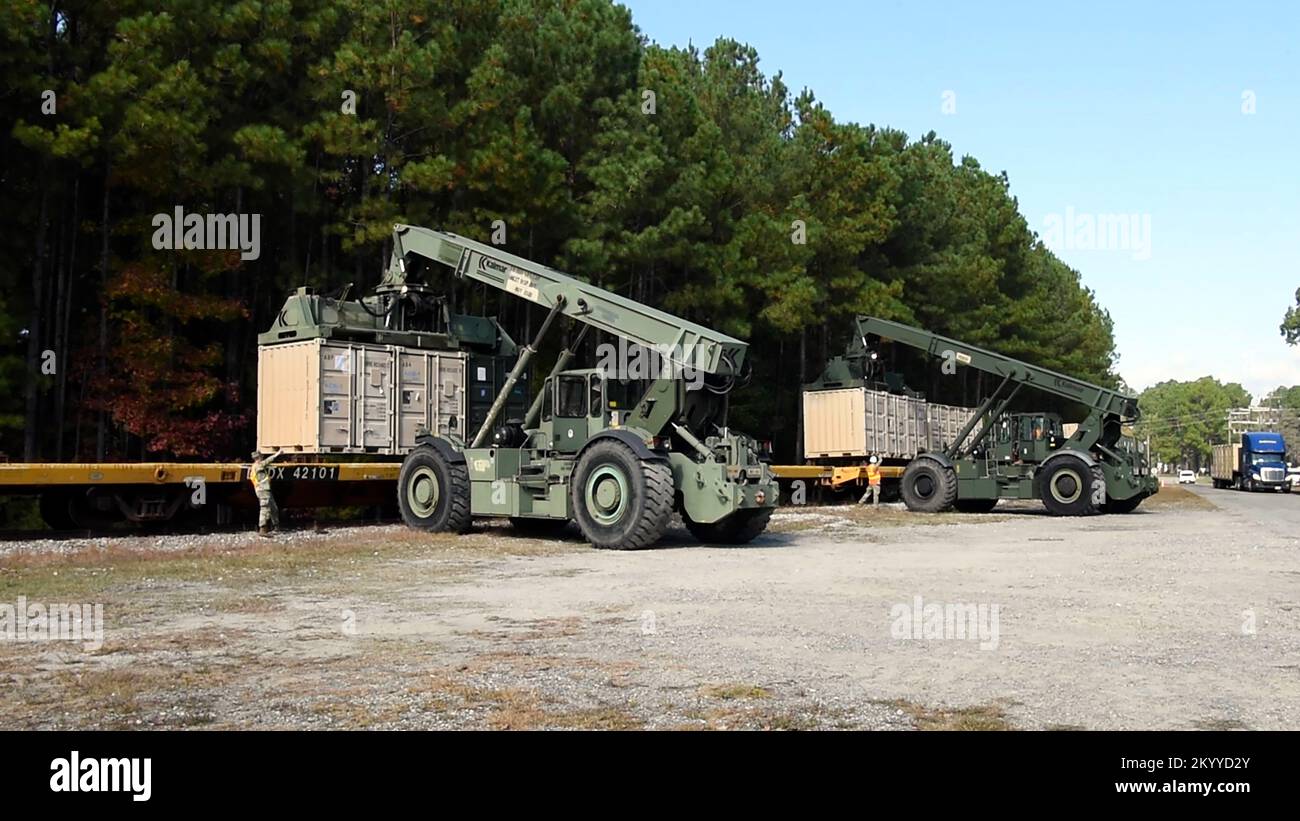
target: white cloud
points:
(1259, 368)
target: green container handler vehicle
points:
(616, 452)
(1094, 469)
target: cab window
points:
(597, 407)
(546, 401)
(1004, 431)
(571, 397)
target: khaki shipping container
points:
(319, 396)
(834, 423)
(857, 422)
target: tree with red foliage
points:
(163, 384)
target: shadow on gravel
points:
(676, 537)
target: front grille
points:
(1272, 474)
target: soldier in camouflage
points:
(259, 473)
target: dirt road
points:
(1181, 615)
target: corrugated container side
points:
(431, 394)
(945, 422)
(917, 426)
(894, 424)
(372, 385)
(336, 421)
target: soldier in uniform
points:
(259, 473)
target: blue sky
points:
(1092, 109)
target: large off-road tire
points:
(539, 528)
(1066, 487)
(928, 486)
(620, 501)
(741, 527)
(974, 505)
(433, 492)
(1123, 505)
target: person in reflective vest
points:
(873, 482)
(259, 473)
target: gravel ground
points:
(1182, 616)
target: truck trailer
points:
(1257, 462)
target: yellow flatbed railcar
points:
(92, 494)
(834, 476)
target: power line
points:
(1257, 416)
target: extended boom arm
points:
(681, 342)
(1095, 397)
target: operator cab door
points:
(1003, 441)
(596, 410)
(1038, 436)
(571, 408)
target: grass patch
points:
(787, 721)
(803, 519)
(89, 572)
(733, 692)
(898, 517)
(1173, 496)
(791, 522)
(1060, 728)
(755, 718)
(246, 604)
(352, 713)
(982, 717)
(133, 562)
(112, 695)
(508, 708)
(595, 718)
(513, 708)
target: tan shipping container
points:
(857, 422)
(834, 423)
(320, 396)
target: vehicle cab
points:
(1263, 465)
(1026, 437)
(578, 404)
